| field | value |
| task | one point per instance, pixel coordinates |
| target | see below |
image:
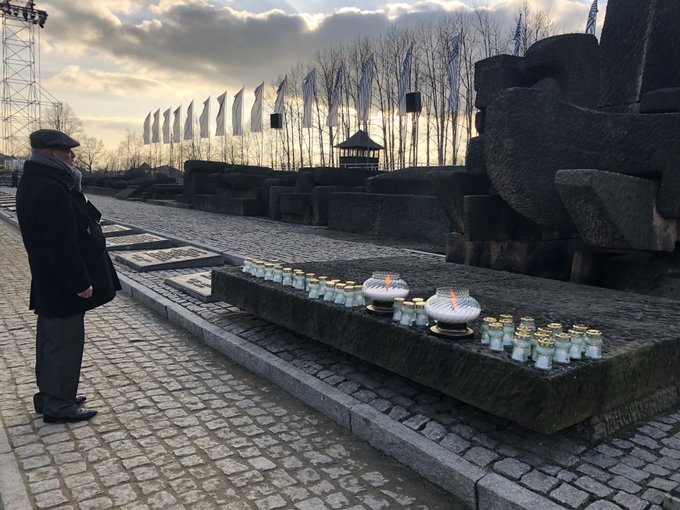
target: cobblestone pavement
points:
(179, 425)
(631, 470)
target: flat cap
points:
(51, 139)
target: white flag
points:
(256, 110)
(592, 19)
(404, 81)
(332, 120)
(166, 126)
(307, 96)
(189, 122)
(518, 35)
(237, 114)
(155, 138)
(364, 92)
(280, 96)
(177, 122)
(203, 120)
(219, 130)
(147, 129)
(454, 60)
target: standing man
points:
(70, 269)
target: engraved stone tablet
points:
(171, 258)
(114, 230)
(197, 285)
(137, 242)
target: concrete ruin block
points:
(333, 176)
(474, 156)
(452, 187)
(669, 194)
(639, 49)
(497, 73)
(530, 135)
(661, 101)
(320, 198)
(243, 181)
(304, 182)
(408, 181)
(568, 65)
(615, 211)
(275, 193)
(488, 218)
(296, 204)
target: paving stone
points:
(455, 443)
(630, 502)
(603, 505)
(631, 473)
(587, 483)
(480, 456)
(569, 495)
(511, 468)
(619, 482)
(539, 482)
(653, 496)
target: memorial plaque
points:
(171, 258)
(137, 242)
(198, 285)
(114, 230)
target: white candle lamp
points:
(381, 289)
(452, 308)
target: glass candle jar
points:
(397, 308)
(322, 285)
(407, 313)
(268, 272)
(313, 292)
(594, 344)
(329, 292)
(545, 351)
(521, 347)
(287, 277)
(508, 331)
(247, 264)
(452, 305)
(554, 327)
(577, 341)
(259, 269)
(528, 322)
(278, 273)
(339, 298)
(495, 336)
(308, 276)
(485, 329)
(581, 328)
(349, 296)
(539, 335)
(359, 296)
(253, 266)
(420, 314)
(563, 348)
(299, 280)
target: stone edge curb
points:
(471, 484)
(13, 494)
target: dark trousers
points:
(58, 356)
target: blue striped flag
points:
(518, 36)
(307, 97)
(204, 119)
(155, 138)
(280, 96)
(147, 130)
(364, 92)
(256, 110)
(166, 126)
(404, 79)
(177, 121)
(454, 59)
(189, 122)
(592, 19)
(332, 120)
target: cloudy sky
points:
(115, 60)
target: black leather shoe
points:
(72, 416)
(79, 402)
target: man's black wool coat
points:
(65, 244)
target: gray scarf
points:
(76, 176)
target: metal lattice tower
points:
(20, 79)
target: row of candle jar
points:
(409, 313)
(348, 294)
(542, 345)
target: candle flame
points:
(453, 298)
(388, 281)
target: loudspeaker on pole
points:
(276, 121)
(413, 104)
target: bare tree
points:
(90, 153)
(62, 118)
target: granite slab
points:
(641, 353)
(170, 258)
(114, 230)
(198, 285)
(137, 242)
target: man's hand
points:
(87, 293)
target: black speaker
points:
(276, 121)
(413, 102)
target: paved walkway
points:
(179, 425)
(496, 461)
